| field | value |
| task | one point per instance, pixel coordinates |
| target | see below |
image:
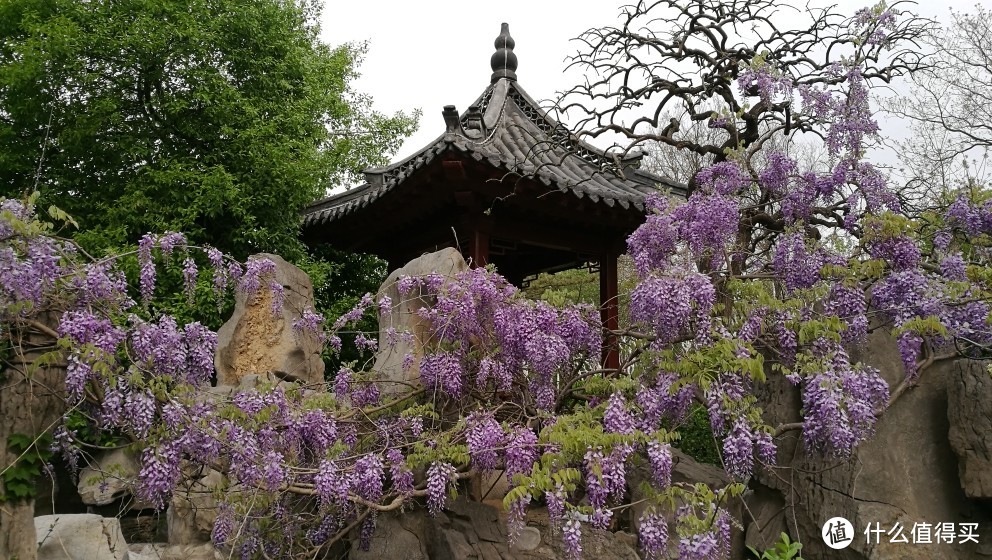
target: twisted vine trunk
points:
(31, 401)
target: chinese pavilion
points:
(506, 185)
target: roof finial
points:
(504, 62)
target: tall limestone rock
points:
(403, 317)
(256, 341)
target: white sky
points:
(430, 53)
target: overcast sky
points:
(430, 53)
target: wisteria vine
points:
(511, 387)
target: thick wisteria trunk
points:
(31, 400)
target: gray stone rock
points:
(193, 509)
(79, 537)
(596, 543)
(489, 486)
(604, 544)
(144, 528)
(470, 530)
(109, 478)
(529, 539)
(766, 508)
(254, 341)
(969, 413)
(397, 535)
(473, 530)
(907, 473)
(404, 318)
(163, 551)
(57, 493)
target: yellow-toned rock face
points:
(256, 341)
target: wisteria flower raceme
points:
(653, 535)
(515, 521)
(439, 475)
(521, 452)
(672, 305)
(572, 539)
(839, 405)
(796, 263)
(485, 439)
(616, 418)
(660, 458)
(653, 244)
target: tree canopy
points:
(221, 119)
(950, 110)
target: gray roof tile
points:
(521, 139)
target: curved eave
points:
(518, 127)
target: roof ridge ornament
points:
(504, 62)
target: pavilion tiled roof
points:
(508, 129)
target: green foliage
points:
(925, 326)
(206, 305)
(82, 428)
(703, 364)
(784, 549)
(565, 288)
(221, 119)
(19, 478)
(543, 479)
(441, 450)
(887, 225)
(696, 437)
(340, 280)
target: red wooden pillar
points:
(609, 309)
(478, 249)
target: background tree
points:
(219, 119)
(950, 111)
(730, 65)
(682, 165)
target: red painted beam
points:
(609, 308)
(479, 248)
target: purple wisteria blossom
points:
(439, 475)
(571, 534)
(190, 273)
(485, 439)
(400, 473)
(442, 371)
(256, 269)
(653, 244)
(521, 452)
(660, 459)
(673, 306)
(147, 276)
(761, 79)
(839, 405)
(367, 480)
(653, 535)
(331, 484)
(515, 517)
(616, 418)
